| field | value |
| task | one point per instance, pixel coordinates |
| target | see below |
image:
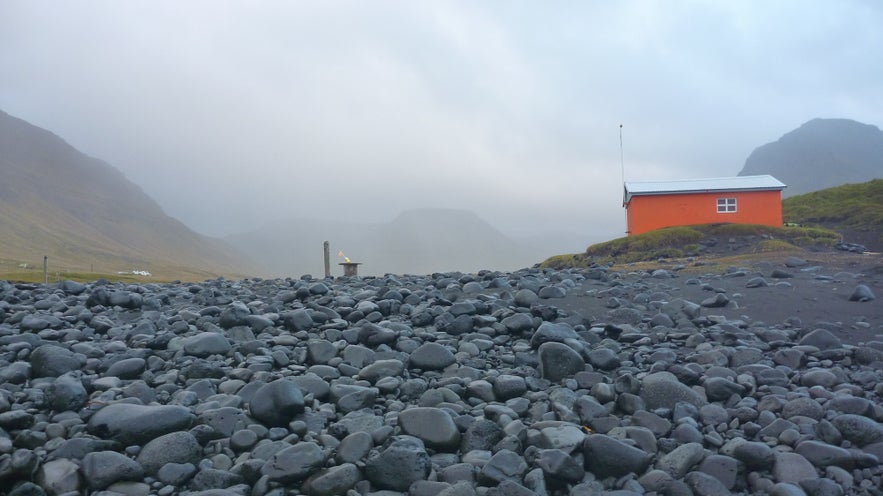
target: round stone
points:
(431, 356)
(103, 468)
(609, 457)
(558, 361)
(858, 429)
(174, 447)
(333, 481)
(663, 390)
(294, 463)
(862, 293)
(552, 332)
(206, 344)
(127, 368)
(59, 477)
(50, 360)
(275, 404)
(402, 463)
(136, 424)
(433, 426)
(508, 386)
(66, 393)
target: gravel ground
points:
(672, 379)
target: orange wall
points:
(646, 213)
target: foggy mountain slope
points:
(420, 241)
(820, 154)
(294, 247)
(429, 240)
(84, 213)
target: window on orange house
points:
(726, 205)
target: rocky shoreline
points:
(571, 382)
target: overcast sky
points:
(231, 114)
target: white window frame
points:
(726, 205)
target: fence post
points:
(327, 252)
(45, 269)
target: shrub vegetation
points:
(680, 241)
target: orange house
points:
(740, 200)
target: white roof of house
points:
(709, 185)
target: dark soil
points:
(815, 296)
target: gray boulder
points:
(858, 429)
(136, 424)
(505, 465)
(525, 298)
(822, 339)
(402, 463)
(755, 455)
(482, 434)
(275, 404)
(59, 477)
(50, 360)
(294, 463)
(558, 465)
(103, 468)
(174, 447)
(663, 390)
(552, 332)
(431, 356)
(558, 361)
(333, 481)
(680, 460)
(380, 369)
(519, 322)
(205, 344)
(508, 386)
(862, 293)
(298, 320)
(793, 468)
(66, 393)
(609, 457)
(719, 300)
(433, 426)
(127, 368)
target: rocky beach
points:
(678, 379)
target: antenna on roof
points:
(622, 169)
(621, 161)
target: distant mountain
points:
(84, 214)
(419, 241)
(820, 154)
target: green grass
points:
(774, 245)
(36, 276)
(853, 206)
(660, 239)
(14, 270)
(562, 261)
(680, 241)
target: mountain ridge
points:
(819, 154)
(84, 213)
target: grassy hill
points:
(88, 218)
(855, 210)
(707, 239)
